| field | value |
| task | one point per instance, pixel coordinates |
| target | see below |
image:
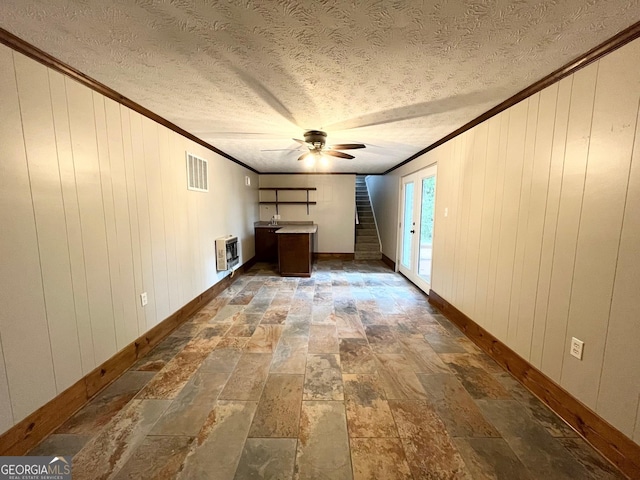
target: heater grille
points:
(197, 173)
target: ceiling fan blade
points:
(303, 156)
(299, 141)
(335, 153)
(348, 146)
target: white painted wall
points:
(334, 211)
(542, 240)
(94, 210)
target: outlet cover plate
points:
(143, 299)
(576, 347)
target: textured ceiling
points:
(248, 76)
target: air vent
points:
(197, 173)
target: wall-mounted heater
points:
(227, 252)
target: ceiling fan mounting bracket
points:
(317, 138)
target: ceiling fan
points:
(315, 141)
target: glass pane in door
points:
(427, 209)
(407, 225)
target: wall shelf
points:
(289, 189)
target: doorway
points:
(418, 198)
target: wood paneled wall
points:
(94, 211)
(542, 238)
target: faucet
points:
(273, 220)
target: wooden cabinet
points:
(295, 257)
(266, 244)
(295, 244)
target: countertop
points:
(281, 223)
(298, 229)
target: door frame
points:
(418, 176)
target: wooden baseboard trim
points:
(613, 444)
(26, 434)
(333, 256)
(390, 263)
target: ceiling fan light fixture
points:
(310, 160)
(315, 141)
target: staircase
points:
(367, 242)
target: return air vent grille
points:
(197, 173)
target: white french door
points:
(418, 198)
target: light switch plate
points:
(576, 347)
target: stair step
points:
(367, 239)
(367, 256)
(367, 247)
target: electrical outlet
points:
(277, 217)
(143, 299)
(446, 211)
(576, 347)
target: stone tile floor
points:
(349, 374)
